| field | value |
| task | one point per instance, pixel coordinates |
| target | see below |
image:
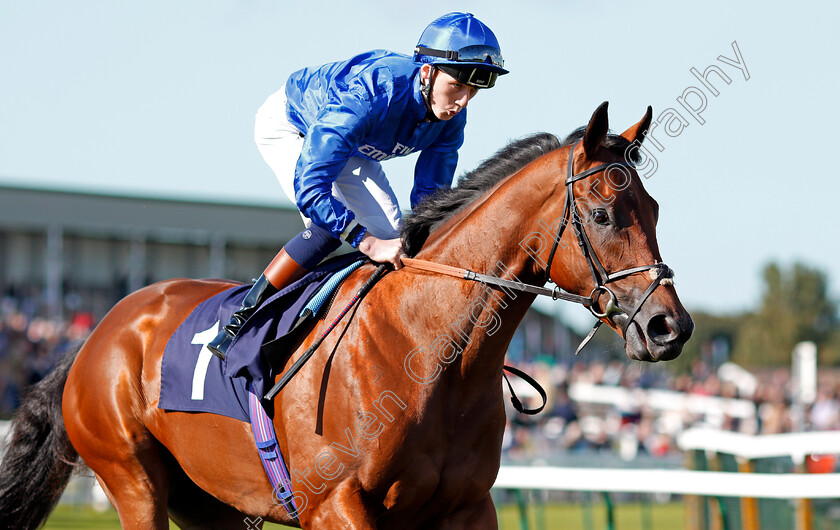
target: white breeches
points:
(361, 186)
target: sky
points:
(157, 99)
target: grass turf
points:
(567, 516)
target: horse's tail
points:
(39, 458)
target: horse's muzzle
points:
(660, 337)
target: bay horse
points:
(397, 421)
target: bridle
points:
(599, 274)
(601, 278)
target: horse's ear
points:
(596, 131)
(638, 131)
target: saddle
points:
(194, 380)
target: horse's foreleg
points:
(480, 516)
(343, 508)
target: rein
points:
(466, 274)
(600, 277)
(571, 214)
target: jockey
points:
(326, 131)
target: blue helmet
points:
(462, 46)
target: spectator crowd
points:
(643, 424)
(31, 343)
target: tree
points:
(709, 329)
(795, 306)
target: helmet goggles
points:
(478, 55)
(470, 54)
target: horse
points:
(397, 420)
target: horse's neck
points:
(486, 238)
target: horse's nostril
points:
(662, 329)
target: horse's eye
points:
(600, 216)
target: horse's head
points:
(607, 248)
(592, 231)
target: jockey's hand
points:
(382, 250)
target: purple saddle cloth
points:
(194, 380)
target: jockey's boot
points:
(280, 273)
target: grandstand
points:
(95, 248)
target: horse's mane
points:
(437, 208)
(441, 206)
